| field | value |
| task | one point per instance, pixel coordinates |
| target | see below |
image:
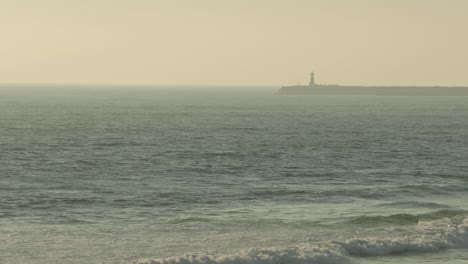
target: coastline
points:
(375, 90)
(318, 89)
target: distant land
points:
(319, 89)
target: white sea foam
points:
(424, 237)
(304, 254)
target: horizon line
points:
(135, 85)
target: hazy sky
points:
(234, 42)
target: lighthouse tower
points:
(312, 80)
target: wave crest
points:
(428, 236)
(407, 218)
(298, 255)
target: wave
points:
(414, 204)
(295, 255)
(189, 219)
(407, 218)
(431, 236)
(435, 188)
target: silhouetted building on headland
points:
(312, 79)
(317, 89)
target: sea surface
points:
(226, 175)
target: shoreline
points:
(375, 90)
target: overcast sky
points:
(234, 42)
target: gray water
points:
(230, 176)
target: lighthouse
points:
(312, 80)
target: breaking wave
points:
(401, 219)
(297, 255)
(424, 237)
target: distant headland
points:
(319, 89)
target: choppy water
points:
(219, 176)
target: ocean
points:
(226, 175)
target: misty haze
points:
(233, 132)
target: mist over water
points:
(207, 175)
